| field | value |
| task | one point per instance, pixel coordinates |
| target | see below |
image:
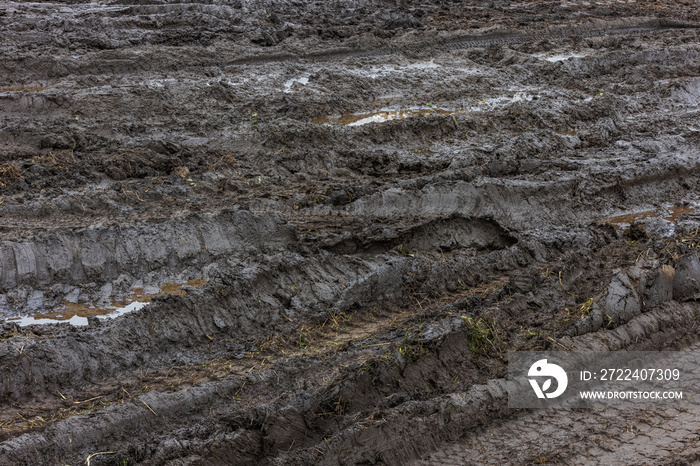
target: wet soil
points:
(368, 204)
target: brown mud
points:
(525, 177)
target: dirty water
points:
(358, 119)
(556, 57)
(25, 88)
(622, 221)
(384, 115)
(289, 84)
(77, 313)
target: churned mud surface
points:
(256, 232)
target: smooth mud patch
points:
(622, 221)
(77, 313)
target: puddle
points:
(303, 80)
(559, 56)
(357, 119)
(620, 222)
(32, 320)
(374, 72)
(23, 88)
(77, 313)
(423, 150)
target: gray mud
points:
(376, 200)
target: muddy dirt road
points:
(256, 232)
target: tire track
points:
(467, 42)
(656, 435)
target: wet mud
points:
(255, 232)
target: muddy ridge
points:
(256, 232)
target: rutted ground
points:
(376, 201)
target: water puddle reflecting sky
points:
(383, 115)
(77, 313)
(560, 56)
(620, 222)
